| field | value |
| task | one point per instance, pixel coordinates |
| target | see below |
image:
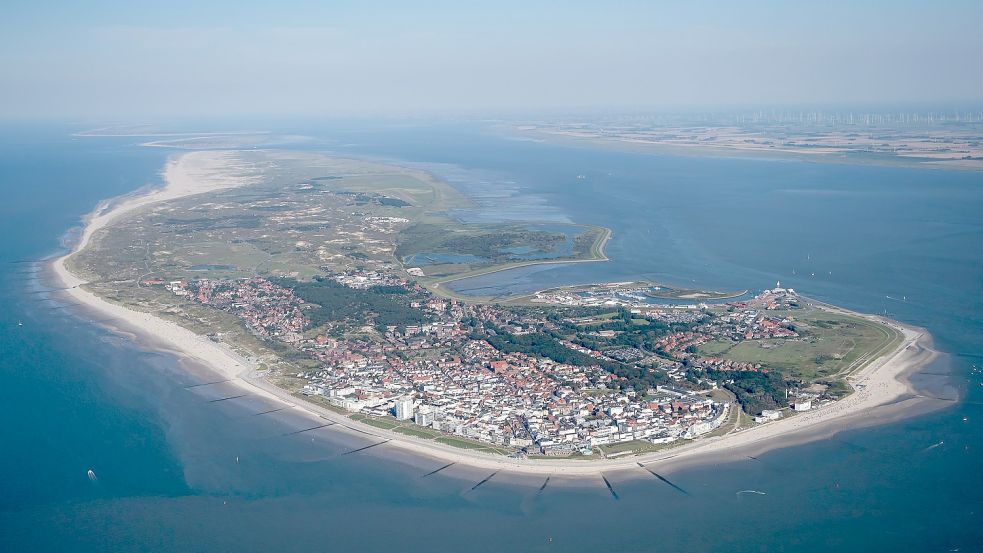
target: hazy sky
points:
(97, 59)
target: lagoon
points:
(80, 397)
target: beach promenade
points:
(881, 382)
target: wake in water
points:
(933, 446)
(92, 475)
(756, 492)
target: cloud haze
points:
(106, 59)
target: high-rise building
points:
(404, 409)
(423, 418)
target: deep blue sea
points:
(176, 473)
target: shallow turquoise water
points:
(77, 397)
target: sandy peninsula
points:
(880, 383)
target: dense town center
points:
(332, 274)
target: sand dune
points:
(879, 383)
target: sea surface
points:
(175, 471)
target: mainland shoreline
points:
(880, 383)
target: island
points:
(943, 140)
(320, 283)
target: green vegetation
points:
(589, 244)
(836, 388)
(333, 302)
(637, 447)
(418, 432)
(438, 274)
(544, 345)
(385, 424)
(465, 443)
(365, 198)
(411, 429)
(831, 344)
(292, 227)
(492, 243)
(630, 331)
(755, 390)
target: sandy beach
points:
(880, 383)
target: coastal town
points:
(578, 277)
(329, 279)
(536, 381)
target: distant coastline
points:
(881, 382)
(710, 150)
